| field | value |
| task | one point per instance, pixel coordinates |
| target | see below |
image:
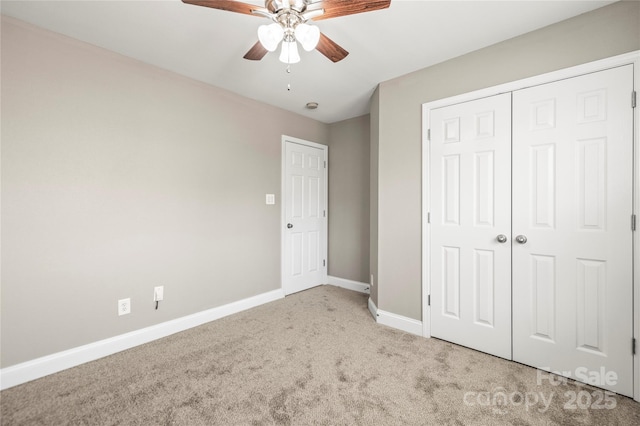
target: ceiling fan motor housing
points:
(274, 6)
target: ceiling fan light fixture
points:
(308, 36)
(270, 36)
(289, 53)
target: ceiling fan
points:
(290, 25)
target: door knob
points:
(289, 225)
(501, 238)
(521, 239)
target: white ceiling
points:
(208, 44)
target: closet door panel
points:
(572, 206)
(470, 272)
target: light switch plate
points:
(271, 198)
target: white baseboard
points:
(399, 322)
(349, 284)
(40, 367)
(408, 325)
(373, 309)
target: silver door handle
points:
(501, 238)
(521, 239)
(289, 225)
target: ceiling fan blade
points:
(256, 53)
(331, 49)
(229, 6)
(335, 8)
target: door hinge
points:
(324, 262)
(325, 164)
(324, 213)
(428, 134)
(428, 300)
(633, 346)
(633, 222)
(633, 99)
(428, 217)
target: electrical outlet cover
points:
(158, 293)
(124, 306)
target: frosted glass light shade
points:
(308, 36)
(289, 54)
(270, 36)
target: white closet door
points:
(572, 201)
(470, 169)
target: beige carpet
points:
(316, 357)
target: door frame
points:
(283, 194)
(632, 58)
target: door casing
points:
(600, 65)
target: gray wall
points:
(605, 32)
(349, 199)
(118, 177)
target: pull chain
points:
(289, 77)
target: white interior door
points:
(470, 271)
(305, 226)
(572, 201)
